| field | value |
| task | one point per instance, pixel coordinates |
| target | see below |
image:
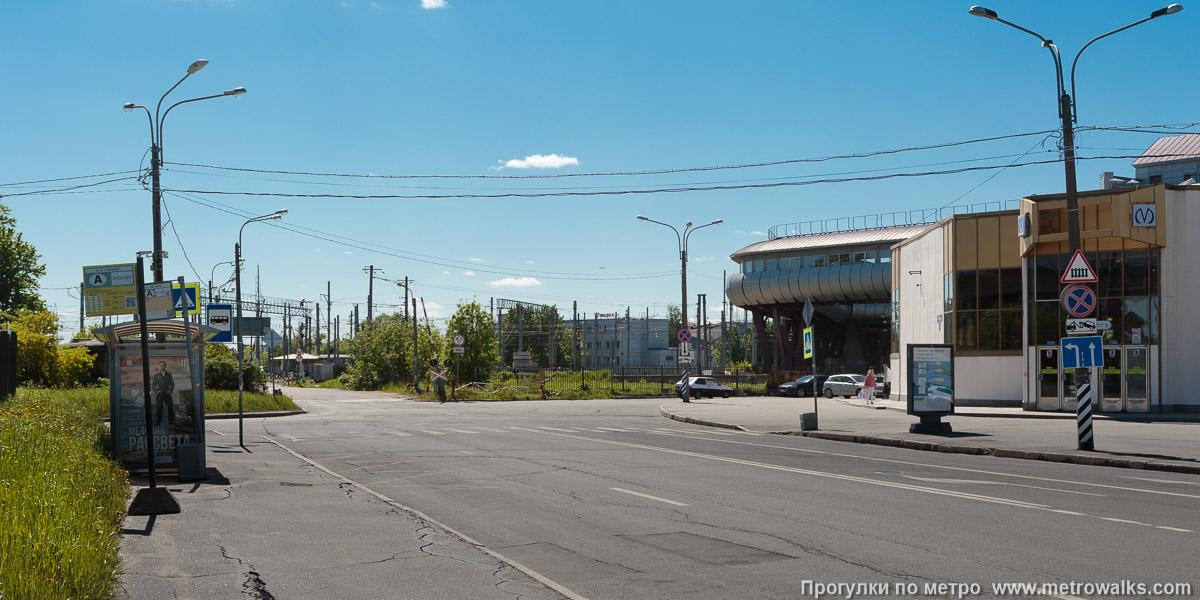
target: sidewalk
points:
(266, 524)
(1154, 442)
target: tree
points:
(383, 353)
(220, 371)
(19, 269)
(40, 360)
(481, 351)
(674, 324)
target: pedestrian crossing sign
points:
(808, 342)
(186, 298)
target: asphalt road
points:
(607, 499)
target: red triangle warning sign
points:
(1078, 270)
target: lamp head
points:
(986, 13)
(689, 224)
(718, 221)
(196, 66)
(641, 218)
(279, 213)
(1168, 10)
(236, 92)
(129, 106)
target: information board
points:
(109, 290)
(930, 379)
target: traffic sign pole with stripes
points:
(1083, 416)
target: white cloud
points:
(434, 310)
(347, 252)
(704, 258)
(474, 260)
(513, 282)
(529, 262)
(434, 4)
(758, 233)
(741, 232)
(469, 273)
(445, 272)
(538, 161)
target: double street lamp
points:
(1068, 115)
(682, 241)
(156, 125)
(237, 324)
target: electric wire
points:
(57, 179)
(171, 222)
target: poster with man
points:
(172, 408)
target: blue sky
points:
(482, 88)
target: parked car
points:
(703, 386)
(845, 385)
(802, 386)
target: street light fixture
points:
(237, 324)
(212, 274)
(682, 241)
(1067, 112)
(156, 125)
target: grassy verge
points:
(61, 500)
(94, 401)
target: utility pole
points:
(328, 316)
(82, 327)
(370, 293)
(575, 333)
(356, 319)
(406, 298)
(628, 329)
(318, 351)
(724, 340)
(416, 366)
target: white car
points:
(703, 386)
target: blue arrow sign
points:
(1082, 352)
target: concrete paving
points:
(1154, 442)
(268, 524)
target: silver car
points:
(845, 385)
(703, 386)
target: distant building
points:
(1174, 160)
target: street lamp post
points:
(682, 241)
(156, 124)
(213, 273)
(1067, 114)
(237, 324)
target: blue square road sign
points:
(1082, 352)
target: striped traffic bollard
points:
(686, 390)
(1083, 415)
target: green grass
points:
(61, 499)
(94, 401)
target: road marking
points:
(1174, 529)
(1068, 512)
(1115, 520)
(399, 433)
(981, 482)
(649, 496)
(557, 429)
(615, 429)
(1161, 480)
(213, 431)
(550, 583)
(463, 431)
(949, 468)
(492, 430)
(431, 432)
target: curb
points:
(1058, 457)
(257, 415)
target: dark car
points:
(802, 386)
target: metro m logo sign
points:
(1143, 215)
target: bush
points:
(40, 360)
(220, 371)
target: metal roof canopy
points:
(1171, 149)
(172, 328)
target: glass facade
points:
(984, 306)
(817, 259)
(1127, 295)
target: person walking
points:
(869, 386)
(887, 381)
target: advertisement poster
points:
(931, 379)
(173, 408)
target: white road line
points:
(399, 433)
(1174, 529)
(949, 468)
(214, 431)
(554, 585)
(432, 432)
(615, 429)
(557, 429)
(1115, 520)
(492, 430)
(649, 496)
(1162, 480)
(980, 482)
(463, 431)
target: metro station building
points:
(989, 284)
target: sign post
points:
(1079, 301)
(808, 421)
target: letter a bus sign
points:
(1078, 270)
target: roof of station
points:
(888, 235)
(1171, 149)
